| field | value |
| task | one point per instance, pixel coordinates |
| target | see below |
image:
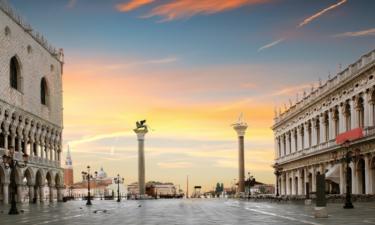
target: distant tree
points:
(222, 187)
(218, 188)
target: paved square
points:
(194, 211)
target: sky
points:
(190, 68)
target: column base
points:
(308, 202)
(320, 212)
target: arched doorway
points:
(39, 187)
(309, 183)
(361, 183)
(28, 185)
(47, 188)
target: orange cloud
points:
(320, 13)
(132, 5)
(369, 32)
(179, 9)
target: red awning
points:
(351, 135)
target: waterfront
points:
(186, 211)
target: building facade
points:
(31, 110)
(305, 134)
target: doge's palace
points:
(305, 134)
(31, 110)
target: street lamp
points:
(251, 182)
(88, 176)
(118, 181)
(10, 162)
(348, 196)
(277, 173)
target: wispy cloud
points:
(174, 165)
(132, 5)
(183, 9)
(71, 3)
(320, 13)
(97, 138)
(369, 32)
(287, 91)
(270, 45)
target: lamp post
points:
(118, 181)
(10, 162)
(88, 177)
(277, 173)
(348, 196)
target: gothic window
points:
(309, 133)
(347, 117)
(326, 127)
(43, 92)
(14, 74)
(302, 137)
(361, 112)
(317, 126)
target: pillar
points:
(240, 129)
(322, 130)
(41, 194)
(31, 193)
(354, 178)
(19, 193)
(314, 133)
(287, 183)
(342, 178)
(367, 175)
(5, 193)
(306, 136)
(366, 108)
(51, 192)
(141, 160)
(331, 122)
(282, 184)
(313, 187)
(293, 183)
(59, 194)
(300, 183)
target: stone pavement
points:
(191, 211)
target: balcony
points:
(368, 133)
(34, 160)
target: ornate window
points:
(44, 92)
(14, 73)
(360, 112)
(347, 116)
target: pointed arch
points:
(44, 92)
(15, 73)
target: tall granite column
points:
(240, 127)
(141, 160)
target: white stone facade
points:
(305, 134)
(31, 110)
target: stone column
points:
(59, 194)
(240, 128)
(342, 119)
(367, 175)
(293, 183)
(31, 193)
(323, 130)
(342, 178)
(306, 136)
(300, 183)
(331, 123)
(287, 183)
(313, 187)
(51, 192)
(282, 188)
(19, 193)
(141, 160)
(41, 194)
(5, 193)
(354, 178)
(314, 135)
